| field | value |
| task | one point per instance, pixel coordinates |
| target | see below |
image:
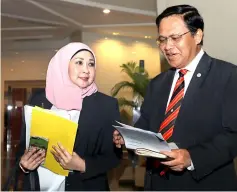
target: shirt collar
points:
(193, 64)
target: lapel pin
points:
(199, 75)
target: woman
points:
(70, 88)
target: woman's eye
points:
(91, 64)
(79, 63)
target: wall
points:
(114, 51)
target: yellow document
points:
(57, 129)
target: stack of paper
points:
(145, 143)
(45, 123)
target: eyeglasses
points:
(161, 41)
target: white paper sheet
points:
(137, 138)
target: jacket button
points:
(149, 172)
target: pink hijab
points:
(60, 91)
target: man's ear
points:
(198, 36)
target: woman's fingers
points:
(60, 154)
(31, 160)
(37, 164)
(28, 153)
(56, 156)
(37, 159)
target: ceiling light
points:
(22, 61)
(11, 69)
(106, 11)
(16, 53)
(106, 38)
(115, 33)
(147, 37)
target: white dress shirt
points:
(50, 181)
(191, 67)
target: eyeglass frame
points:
(173, 40)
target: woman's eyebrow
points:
(79, 58)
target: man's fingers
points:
(170, 163)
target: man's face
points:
(181, 47)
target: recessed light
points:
(147, 37)
(137, 41)
(106, 11)
(106, 38)
(17, 53)
(22, 61)
(115, 33)
(11, 69)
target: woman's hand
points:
(32, 158)
(68, 161)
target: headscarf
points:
(60, 90)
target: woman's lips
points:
(84, 78)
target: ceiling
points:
(28, 20)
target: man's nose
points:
(169, 44)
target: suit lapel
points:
(196, 83)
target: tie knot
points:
(182, 72)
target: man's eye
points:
(175, 38)
(161, 40)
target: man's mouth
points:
(171, 55)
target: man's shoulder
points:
(161, 76)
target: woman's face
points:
(82, 69)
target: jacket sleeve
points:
(109, 156)
(222, 148)
(143, 121)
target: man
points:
(193, 105)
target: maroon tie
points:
(172, 111)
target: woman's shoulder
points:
(105, 97)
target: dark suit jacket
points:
(93, 143)
(206, 126)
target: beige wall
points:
(114, 51)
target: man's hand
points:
(118, 139)
(180, 159)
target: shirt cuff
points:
(191, 167)
(23, 169)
